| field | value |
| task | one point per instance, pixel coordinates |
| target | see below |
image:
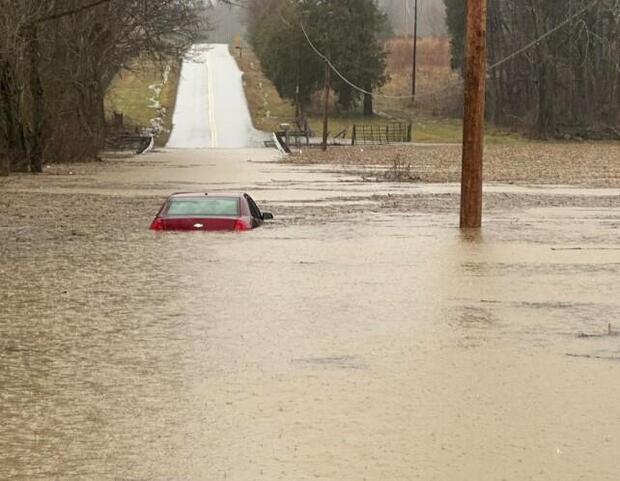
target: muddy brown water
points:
(359, 336)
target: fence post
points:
(409, 132)
(353, 136)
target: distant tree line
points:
(568, 83)
(348, 32)
(59, 57)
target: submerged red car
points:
(201, 211)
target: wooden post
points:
(238, 45)
(325, 107)
(473, 119)
(415, 46)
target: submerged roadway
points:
(358, 336)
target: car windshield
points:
(203, 206)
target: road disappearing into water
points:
(211, 109)
(360, 335)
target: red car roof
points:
(213, 194)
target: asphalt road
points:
(211, 109)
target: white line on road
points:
(210, 87)
(211, 109)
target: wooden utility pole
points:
(415, 46)
(473, 119)
(326, 106)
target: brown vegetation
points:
(588, 164)
(431, 53)
(438, 88)
(145, 97)
(431, 122)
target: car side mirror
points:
(267, 216)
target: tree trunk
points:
(10, 111)
(38, 104)
(4, 166)
(99, 126)
(326, 106)
(368, 105)
(545, 125)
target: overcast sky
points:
(431, 14)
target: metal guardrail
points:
(128, 142)
(279, 139)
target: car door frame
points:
(254, 209)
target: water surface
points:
(359, 336)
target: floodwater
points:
(360, 336)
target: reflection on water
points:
(393, 348)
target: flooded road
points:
(359, 336)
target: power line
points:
(545, 35)
(346, 80)
(435, 92)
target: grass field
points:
(439, 91)
(146, 97)
(434, 114)
(426, 129)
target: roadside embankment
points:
(430, 122)
(267, 108)
(146, 97)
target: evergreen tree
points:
(455, 21)
(346, 31)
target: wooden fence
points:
(387, 133)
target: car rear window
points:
(203, 206)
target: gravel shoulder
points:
(584, 164)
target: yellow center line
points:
(213, 126)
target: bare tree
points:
(555, 65)
(53, 103)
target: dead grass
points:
(438, 88)
(134, 94)
(593, 164)
(431, 52)
(432, 115)
(437, 110)
(399, 171)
